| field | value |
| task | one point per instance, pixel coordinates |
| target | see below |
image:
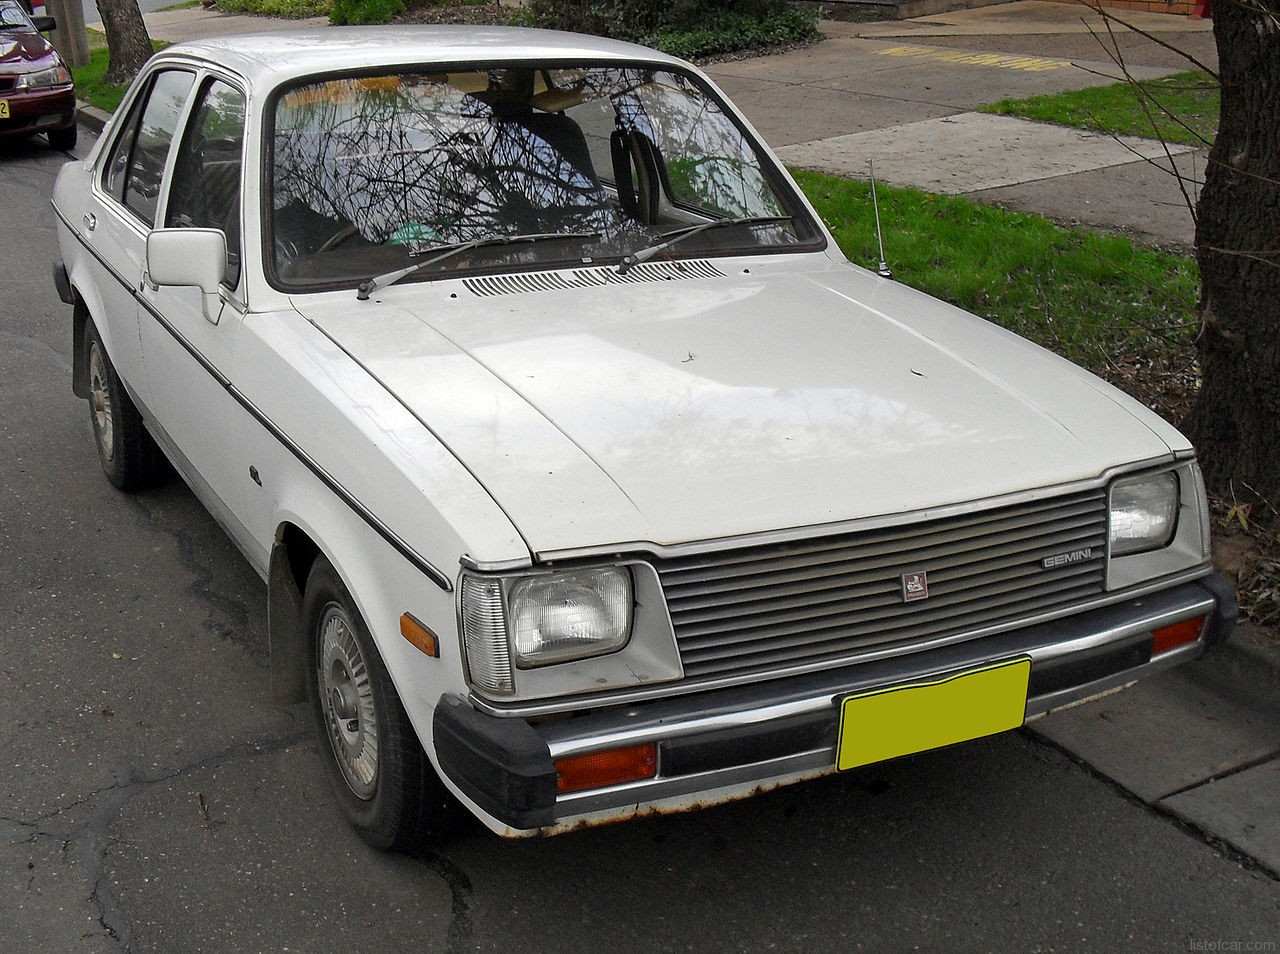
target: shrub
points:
(686, 28)
(726, 32)
(295, 9)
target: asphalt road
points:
(154, 799)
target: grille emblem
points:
(915, 586)
(1068, 558)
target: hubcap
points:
(346, 693)
(100, 403)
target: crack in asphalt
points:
(237, 619)
(91, 839)
(461, 892)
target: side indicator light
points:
(1179, 634)
(419, 636)
(575, 773)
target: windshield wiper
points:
(679, 235)
(365, 289)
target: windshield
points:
(369, 175)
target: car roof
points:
(269, 58)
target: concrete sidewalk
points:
(1201, 743)
(905, 94)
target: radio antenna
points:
(884, 271)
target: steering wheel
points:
(337, 238)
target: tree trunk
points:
(128, 43)
(1236, 418)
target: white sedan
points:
(587, 477)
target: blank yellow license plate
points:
(898, 720)
(4, 109)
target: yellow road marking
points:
(1004, 61)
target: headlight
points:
(530, 621)
(1144, 512)
(567, 616)
(41, 79)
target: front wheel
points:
(63, 139)
(381, 777)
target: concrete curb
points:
(91, 117)
(1249, 667)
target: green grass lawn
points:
(1182, 108)
(90, 87)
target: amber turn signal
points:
(419, 636)
(575, 773)
(1179, 634)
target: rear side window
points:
(137, 158)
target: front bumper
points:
(38, 111)
(718, 745)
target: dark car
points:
(36, 91)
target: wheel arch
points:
(85, 305)
(292, 555)
(79, 367)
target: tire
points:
(383, 781)
(129, 455)
(63, 139)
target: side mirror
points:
(194, 257)
(45, 24)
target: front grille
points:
(761, 608)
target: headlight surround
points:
(56, 75)
(529, 621)
(1143, 512)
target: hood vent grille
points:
(645, 272)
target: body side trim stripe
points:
(435, 575)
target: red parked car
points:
(36, 91)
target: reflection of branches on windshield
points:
(399, 168)
(408, 163)
(708, 160)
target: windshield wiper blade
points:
(365, 289)
(679, 235)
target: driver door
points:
(188, 341)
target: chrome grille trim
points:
(757, 608)
(490, 286)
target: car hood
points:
(21, 48)
(748, 400)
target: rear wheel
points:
(129, 455)
(381, 777)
